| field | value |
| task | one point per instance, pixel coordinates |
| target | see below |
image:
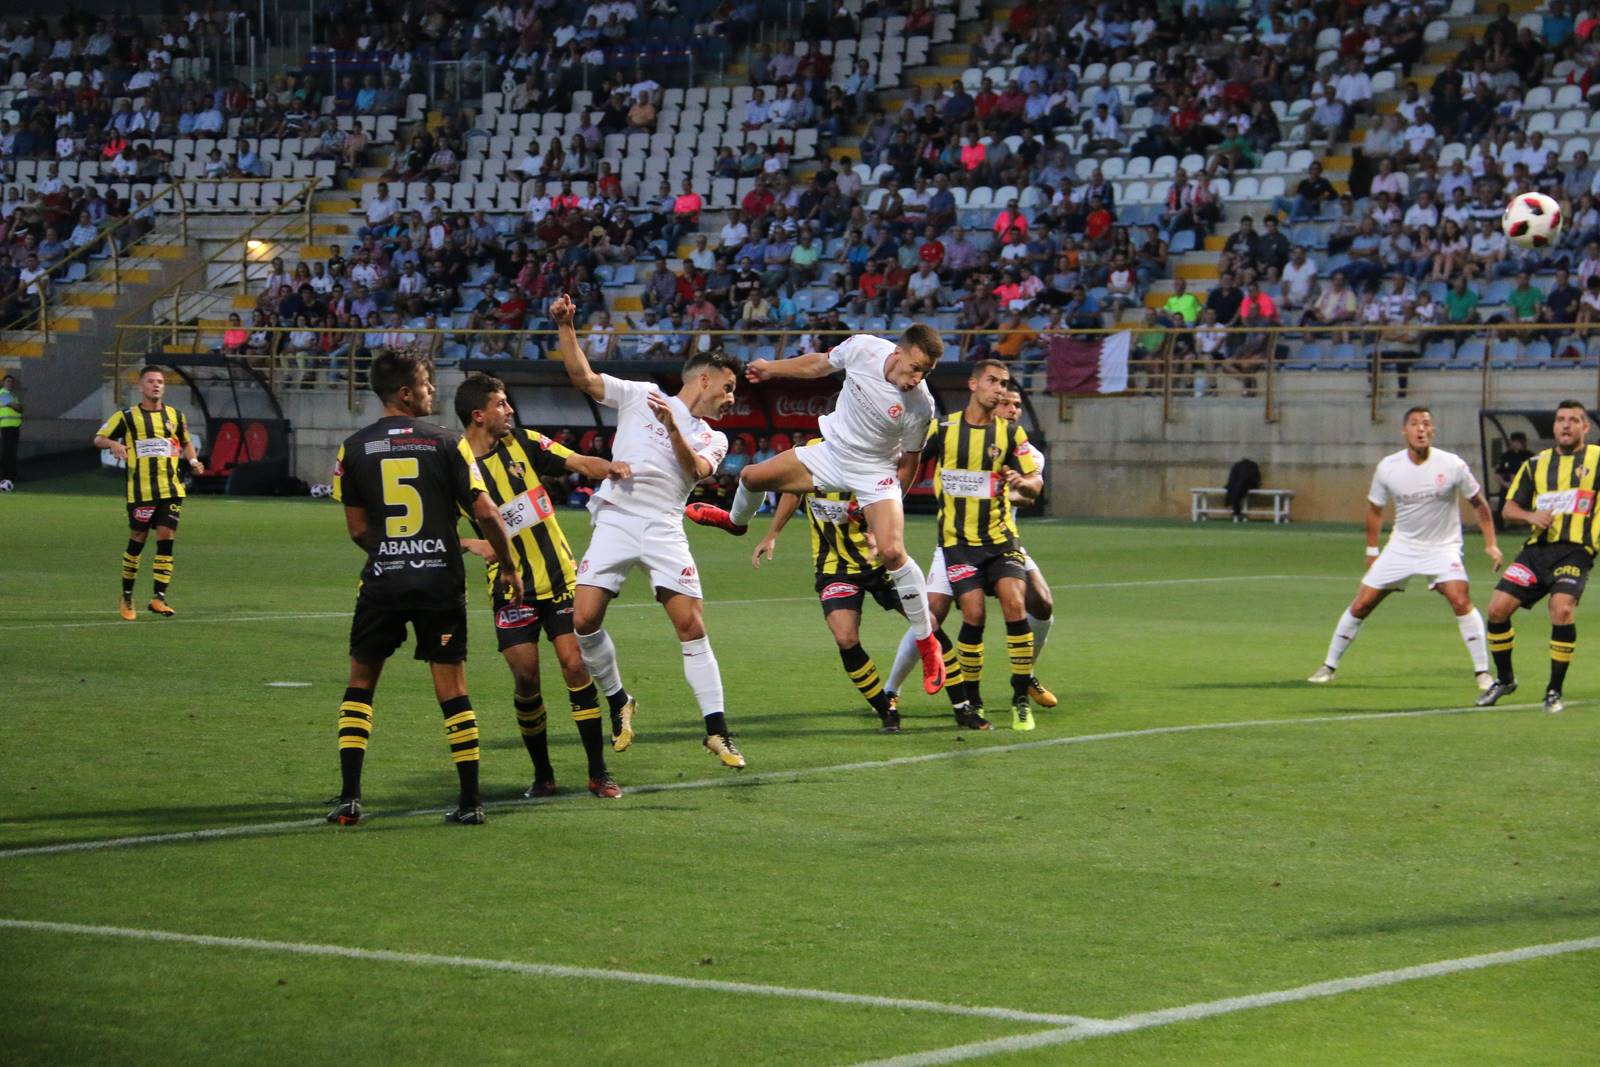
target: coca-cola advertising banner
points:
(787, 405)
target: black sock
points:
(614, 701)
(969, 647)
(532, 722)
(954, 685)
(161, 567)
(586, 714)
(355, 730)
(461, 733)
(863, 675)
(715, 724)
(1501, 639)
(130, 565)
(1019, 649)
(1563, 639)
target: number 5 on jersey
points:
(397, 493)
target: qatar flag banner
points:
(1087, 368)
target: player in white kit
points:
(872, 446)
(1423, 483)
(638, 521)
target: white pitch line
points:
(729, 781)
(1209, 1009)
(282, 616)
(545, 970)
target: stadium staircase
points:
(62, 370)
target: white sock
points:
(745, 505)
(1041, 630)
(705, 678)
(905, 657)
(1476, 638)
(1343, 634)
(600, 657)
(912, 586)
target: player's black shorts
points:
(1540, 570)
(969, 567)
(142, 517)
(519, 623)
(375, 632)
(849, 592)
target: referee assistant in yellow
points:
(1554, 492)
(512, 461)
(152, 438)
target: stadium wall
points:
(1114, 457)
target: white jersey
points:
(874, 420)
(660, 486)
(1424, 494)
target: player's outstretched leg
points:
(1344, 632)
(355, 731)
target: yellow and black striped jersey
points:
(155, 441)
(838, 534)
(974, 508)
(511, 473)
(1566, 486)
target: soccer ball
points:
(1532, 220)
(321, 490)
(5, 485)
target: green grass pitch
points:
(1313, 839)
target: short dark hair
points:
(149, 367)
(1565, 404)
(1520, 436)
(1013, 386)
(716, 359)
(925, 337)
(474, 393)
(988, 364)
(393, 371)
(1412, 410)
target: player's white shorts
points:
(939, 581)
(835, 470)
(1398, 563)
(622, 542)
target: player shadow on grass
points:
(1575, 904)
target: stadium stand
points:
(1014, 171)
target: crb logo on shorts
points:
(960, 572)
(839, 591)
(145, 513)
(515, 617)
(1517, 574)
(1568, 573)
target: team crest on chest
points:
(516, 468)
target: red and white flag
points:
(1081, 368)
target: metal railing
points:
(1164, 371)
(295, 213)
(110, 237)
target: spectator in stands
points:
(1334, 306)
(1461, 303)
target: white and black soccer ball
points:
(1532, 220)
(5, 485)
(320, 490)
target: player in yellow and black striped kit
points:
(979, 461)
(848, 570)
(1554, 492)
(512, 461)
(152, 437)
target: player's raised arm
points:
(810, 365)
(579, 373)
(788, 504)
